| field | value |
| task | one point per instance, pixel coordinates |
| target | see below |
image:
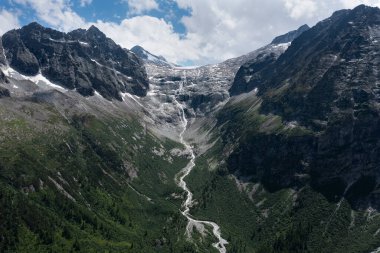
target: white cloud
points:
(154, 34)
(228, 28)
(56, 13)
(301, 8)
(141, 6)
(8, 21)
(352, 3)
(84, 3)
(215, 30)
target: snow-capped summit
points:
(146, 56)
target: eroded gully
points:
(220, 245)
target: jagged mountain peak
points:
(92, 34)
(147, 56)
(340, 36)
(94, 31)
(365, 13)
(33, 25)
(290, 36)
(327, 82)
(362, 13)
(302, 147)
(85, 60)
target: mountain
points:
(149, 57)
(290, 36)
(273, 151)
(205, 88)
(330, 89)
(82, 173)
(72, 163)
(251, 70)
(300, 139)
(85, 60)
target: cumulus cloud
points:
(56, 13)
(215, 30)
(154, 34)
(8, 21)
(230, 28)
(301, 8)
(352, 3)
(141, 6)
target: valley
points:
(180, 179)
(275, 151)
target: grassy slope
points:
(65, 185)
(282, 221)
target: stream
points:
(220, 245)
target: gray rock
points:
(85, 60)
(3, 78)
(18, 54)
(2, 53)
(327, 82)
(290, 36)
(4, 92)
(148, 57)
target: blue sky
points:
(116, 11)
(110, 11)
(187, 32)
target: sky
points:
(186, 32)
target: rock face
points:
(327, 83)
(339, 71)
(3, 91)
(150, 58)
(205, 88)
(290, 36)
(3, 78)
(249, 74)
(85, 60)
(2, 54)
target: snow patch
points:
(133, 97)
(38, 79)
(84, 43)
(97, 94)
(186, 67)
(282, 45)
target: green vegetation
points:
(87, 184)
(254, 220)
(283, 220)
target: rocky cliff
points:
(325, 90)
(148, 57)
(250, 71)
(85, 60)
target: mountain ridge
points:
(149, 57)
(102, 65)
(290, 36)
(279, 147)
(324, 84)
